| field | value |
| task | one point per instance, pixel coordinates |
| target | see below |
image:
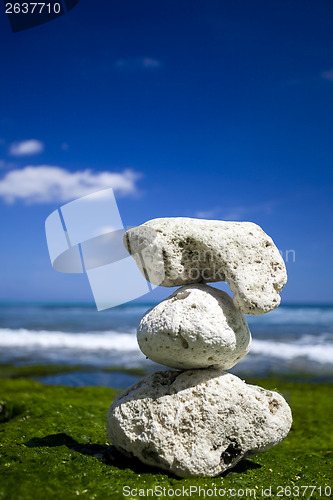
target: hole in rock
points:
(273, 405)
(232, 452)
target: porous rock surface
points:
(196, 422)
(196, 327)
(180, 251)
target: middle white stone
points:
(196, 327)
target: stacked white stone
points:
(201, 420)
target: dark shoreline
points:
(119, 377)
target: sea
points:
(294, 341)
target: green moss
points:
(53, 445)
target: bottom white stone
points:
(196, 422)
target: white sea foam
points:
(312, 348)
(91, 341)
(318, 348)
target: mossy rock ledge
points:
(53, 445)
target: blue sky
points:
(215, 109)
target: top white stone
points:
(180, 251)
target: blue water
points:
(293, 339)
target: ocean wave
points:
(314, 348)
(92, 341)
(295, 315)
(318, 348)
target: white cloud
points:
(48, 184)
(328, 75)
(236, 212)
(241, 212)
(26, 148)
(138, 63)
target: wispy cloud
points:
(138, 63)
(309, 79)
(207, 214)
(328, 75)
(49, 184)
(241, 212)
(26, 148)
(237, 212)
